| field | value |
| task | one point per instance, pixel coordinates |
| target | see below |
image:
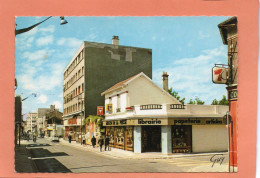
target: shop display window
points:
(119, 136)
(129, 137)
(181, 139)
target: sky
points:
(185, 47)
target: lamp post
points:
(23, 30)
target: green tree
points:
(223, 101)
(94, 119)
(175, 95)
(197, 100)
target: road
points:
(57, 157)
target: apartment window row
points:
(74, 78)
(74, 108)
(73, 64)
(77, 91)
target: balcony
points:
(169, 110)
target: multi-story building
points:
(40, 121)
(53, 122)
(94, 68)
(31, 123)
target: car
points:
(55, 139)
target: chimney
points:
(165, 81)
(115, 40)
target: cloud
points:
(42, 99)
(50, 29)
(70, 42)
(192, 76)
(46, 40)
(203, 35)
(34, 80)
(57, 104)
(37, 55)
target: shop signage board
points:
(219, 75)
(196, 121)
(232, 94)
(100, 110)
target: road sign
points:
(100, 110)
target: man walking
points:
(101, 143)
(107, 143)
(93, 141)
(69, 137)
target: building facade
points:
(31, 123)
(54, 122)
(142, 117)
(40, 121)
(228, 32)
(94, 68)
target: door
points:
(151, 138)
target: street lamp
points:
(22, 30)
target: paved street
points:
(64, 157)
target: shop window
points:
(129, 138)
(181, 139)
(119, 137)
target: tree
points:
(197, 100)
(175, 95)
(223, 101)
(94, 119)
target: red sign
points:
(100, 110)
(72, 121)
(219, 75)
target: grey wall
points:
(106, 65)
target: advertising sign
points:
(100, 110)
(219, 75)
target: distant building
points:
(140, 116)
(94, 68)
(54, 122)
(31, 123)
(41, 129)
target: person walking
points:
(107, 143)
(93, 141)
(69, 137)
(84, 141)
(101, 143)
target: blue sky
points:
(185, 47)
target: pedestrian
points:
(28, 137)
(69, 137)
(107, 143)
(93, 141)
(101, 143)
(84, 141)
(34, 138)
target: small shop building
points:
(142, 117)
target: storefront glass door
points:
(151, 138)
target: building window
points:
(118, 103)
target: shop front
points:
(120, 137)
(168, 135)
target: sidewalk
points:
(23, 162)
(123, 154)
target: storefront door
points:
(181, 139)
(151, 138)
